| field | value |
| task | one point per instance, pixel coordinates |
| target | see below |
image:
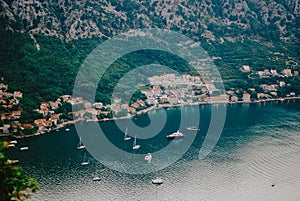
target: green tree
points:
(14, 184)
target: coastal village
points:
(166, 90)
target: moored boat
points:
(176, 135)
(193, 128)
(24, 148)
(126, 137)
(157, 181)
(85, 162)
(96, 178)
(80, 145)
(148, 157)
(135, 145)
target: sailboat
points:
(126, 137)
(135, 146)
(96, 177)
(80, 145)
(85, 162)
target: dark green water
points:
(259, 147)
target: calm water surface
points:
(259, 147)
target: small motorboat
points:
(85, 163)
(96, 178)
(157, 181)
(24, 148)
(148, 157)
(192, 128)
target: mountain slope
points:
(209, 19)
(43, 43)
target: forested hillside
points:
(43, 43)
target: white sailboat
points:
(85, 162)
(126, 137)
(80, 145)
(135, 146)
(96, 177)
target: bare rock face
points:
(208, 19)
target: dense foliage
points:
(50, 72)
(14, 184)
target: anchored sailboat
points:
(135, 145)
(80, 145)
(85, 162)
(96, 177)
(126, 137)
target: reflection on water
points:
(256, 158)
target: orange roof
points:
(40, 125)
(40, 120)
(44, 109)
(55, 115)
(48, 123)
(27, 125)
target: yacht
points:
(11, 145)
(67, 129)
(13, 142)
(157, 181)
(176, 135)
(148, 157)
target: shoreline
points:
(152, 108)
